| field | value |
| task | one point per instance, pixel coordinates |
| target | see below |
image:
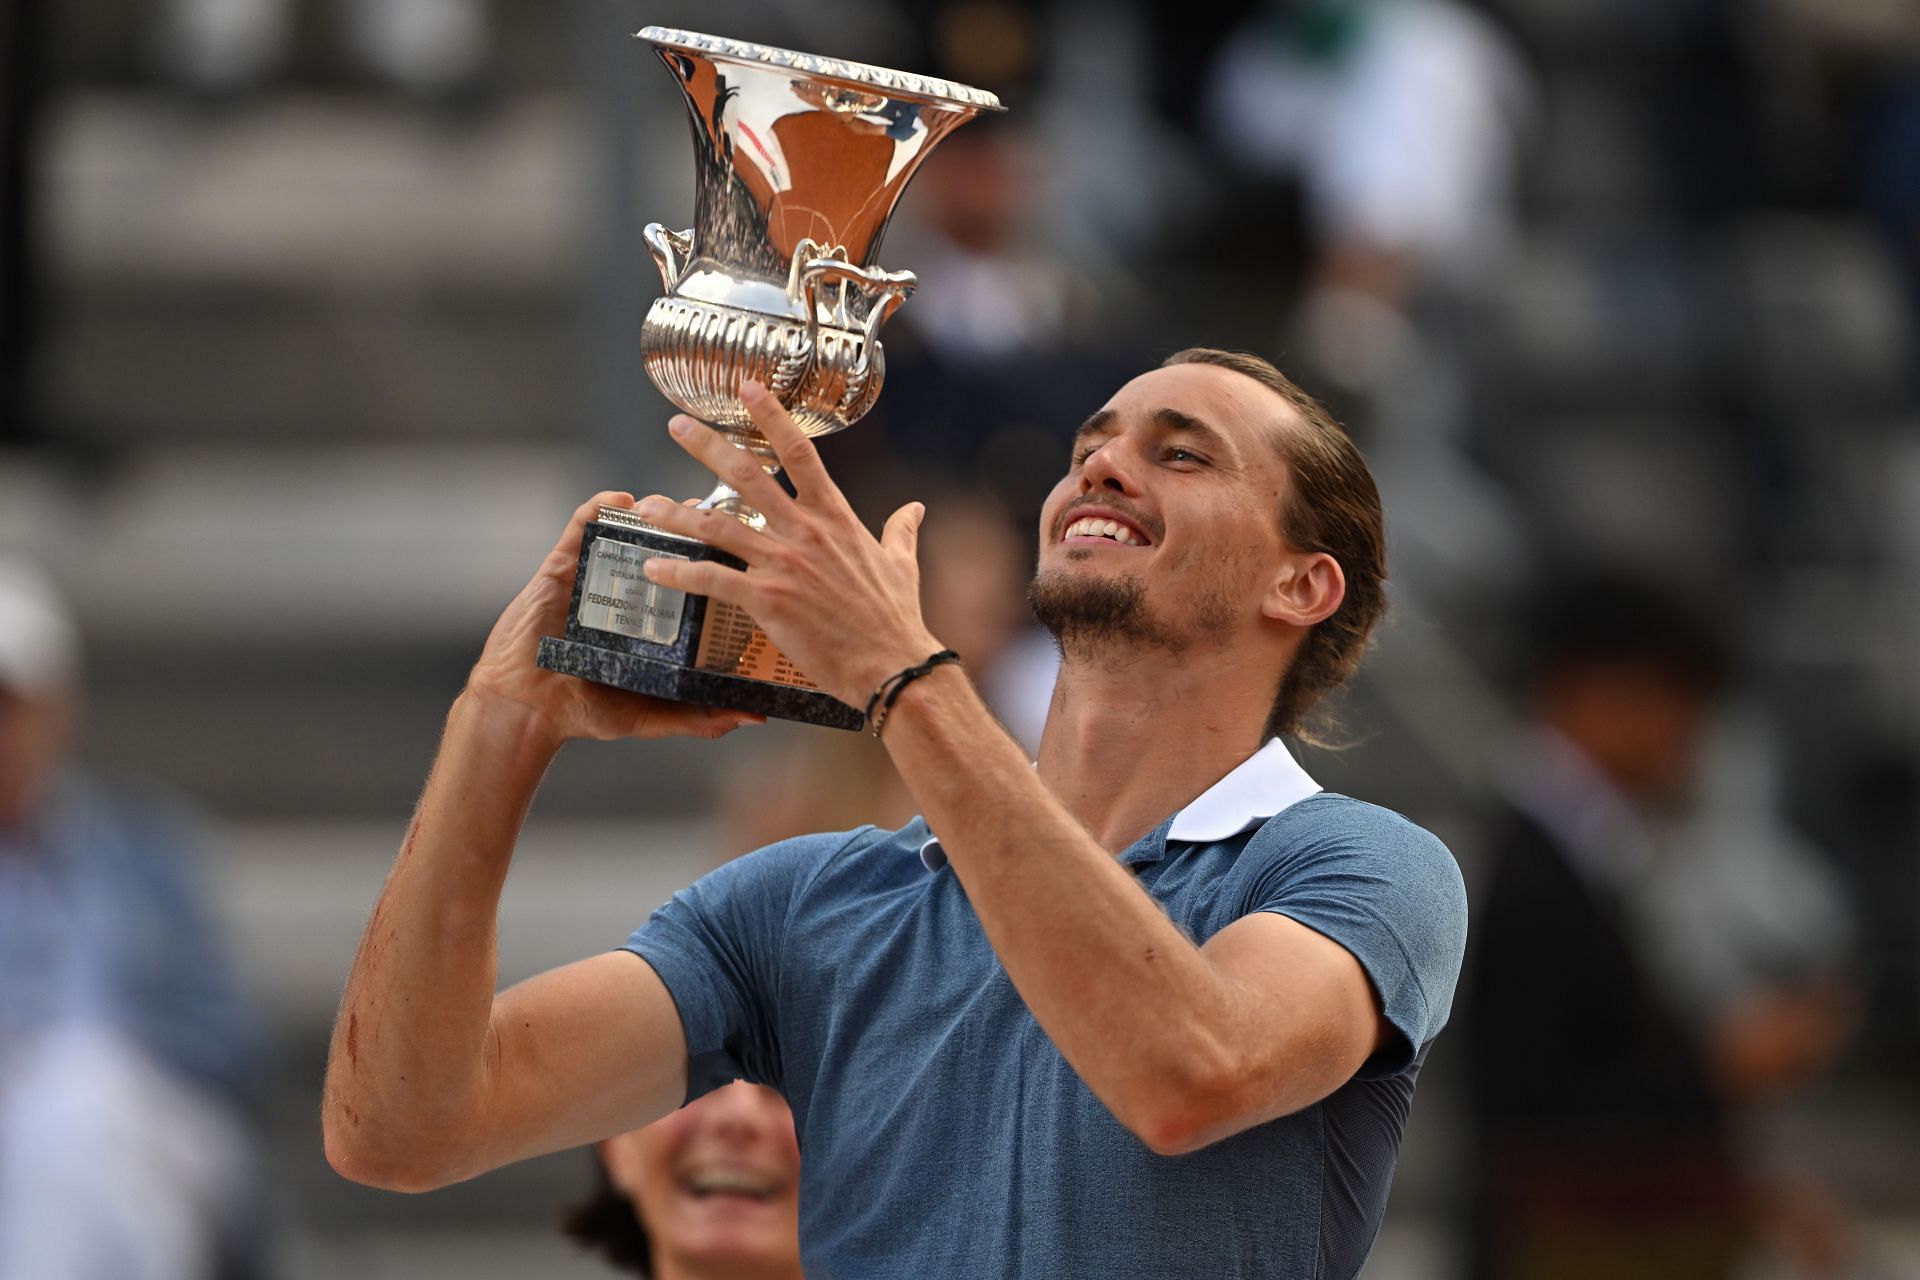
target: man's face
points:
(1165, 531)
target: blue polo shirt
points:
(943, 1135)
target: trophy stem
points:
(727, 498)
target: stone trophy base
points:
(625, 631)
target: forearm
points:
(411, 1046)
(1142, 1016)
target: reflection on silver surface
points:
(799, 162)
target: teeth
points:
(1092, 528)
(709, 1181)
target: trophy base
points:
(625, 631)
(685, 684)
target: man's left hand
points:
(843, 606)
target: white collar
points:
(1260, 786)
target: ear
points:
(1307, 590)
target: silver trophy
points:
(799, 162)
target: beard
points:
(1097, 613)
(1077, 610)
(1085, 614)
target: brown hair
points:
(608, 1222)
(1333, 507)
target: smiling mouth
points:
(747, 1185)
(1093, 529)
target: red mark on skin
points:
(353, 1039)
(353, 1117)
(373, 925)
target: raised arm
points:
(432, 1078)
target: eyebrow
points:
(1167, 420)
(1174, 420)
(1095, 423)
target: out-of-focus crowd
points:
(1620, 299)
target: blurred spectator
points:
(711, 1192)
(1399, 120)
(1893, 167)
(124, 1054)
(428, 47)
(1652, 954)
(1870, 54)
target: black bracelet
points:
(890, 688)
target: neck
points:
(1133, 737)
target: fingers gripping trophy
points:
(799, 161)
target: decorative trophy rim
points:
(896, 83)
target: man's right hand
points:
(561, 706)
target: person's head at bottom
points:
(710, 1192)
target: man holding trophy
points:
(1153, 1006)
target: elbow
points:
(1172, 1136)
(354, 1155)
(1178, 1125)
(1188, 1108)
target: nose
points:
(1108, 467)
(744, 1114)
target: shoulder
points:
(818, 848)
(1383, 887)
(1330, 824)
(797, 864)
(867, 860)
(1334, 844)
(829, 849)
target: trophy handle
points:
(671, 251)
(814, 266)
(886, 289)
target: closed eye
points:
(1173, 453)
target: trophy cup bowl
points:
(799, 161)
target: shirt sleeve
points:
(1391, 894)
(717, 947)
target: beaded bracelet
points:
(890, 688)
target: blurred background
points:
(321, 315)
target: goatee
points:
(1086, 613)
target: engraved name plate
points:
(733, 644)
(617, 597)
